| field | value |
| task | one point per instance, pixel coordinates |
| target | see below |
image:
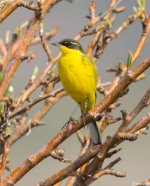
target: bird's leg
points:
(71, 119)
(74, 110)
(98, 116)
(83, 116)
(83, 106)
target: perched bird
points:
(78, 75)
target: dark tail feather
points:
(94, 133)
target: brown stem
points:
(72, 127)
(8, 9)
(143, 39)
(27, 38)
(141, 124)
(4, 157)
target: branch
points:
(23, 127)
(8, 9)
(67, 171)
(55, 96)
(113, 4)
(5, 151)
(141, 124)
(106, 40)
(32, 103)
(27, 38)
(144, 37)
(112, 141)
(28, 5)
(49, 66)
(143, 183)
(19, 130)
(3, 49)
(92, 9)
(37, 82)
(123, 68)
(46, 46)
(82, 168)
(128, 118)
(48, 36)
(108, 170)
(72, 127)
(126, 80)
(94, 20)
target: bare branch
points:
(89, 165)
(48, 36)
(72, 127)
(27, 38)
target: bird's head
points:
(68, 45)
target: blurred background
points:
(70, 19)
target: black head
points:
(73, 44)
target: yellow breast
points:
(78, 76)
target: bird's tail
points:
(94, 133)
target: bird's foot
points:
(71, 119)
(97, 116)
(82, 118)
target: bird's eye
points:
(69, 45)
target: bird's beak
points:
(55, 44)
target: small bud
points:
(141, 4)
(34, 73)
(7, 37)
(129, 60)
(41, 28)
(135, 9)
(11, 89)
(119, 9)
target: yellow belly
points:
(79, 78)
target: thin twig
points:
(48, 36)
(143, 39)
(46, 47)
(28, 5)
(31, 104)
(5, 152)
(8, 9)
(27, 38)
(72, 127)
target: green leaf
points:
(2, 76)
(52, 73)
(2, 105)
(110, 22)
(143, 3)
(129, 60)
(21, 27)
(7, 133)
(1, 62)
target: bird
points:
(78, 75)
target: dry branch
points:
(88, 166)
(72, 127)
(26, 40)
